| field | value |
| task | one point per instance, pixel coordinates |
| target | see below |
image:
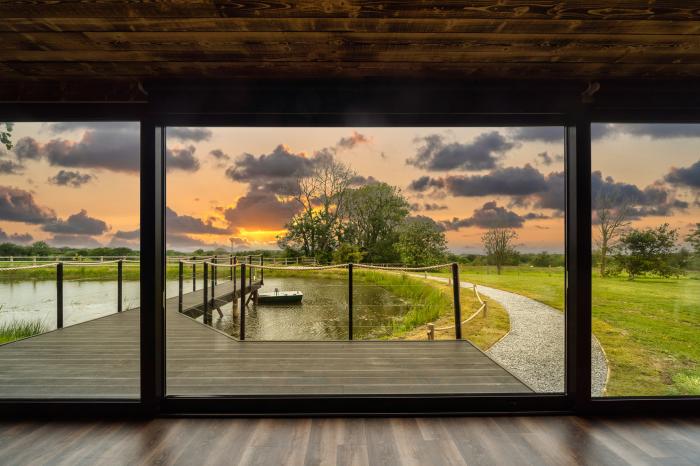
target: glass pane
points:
(296, 206)
(646, 250)
(69, 270)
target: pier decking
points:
(100, 359)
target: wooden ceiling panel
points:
(128, 41)
(443, 9)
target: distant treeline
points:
(42, 249)
(541, 259)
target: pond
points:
(322, 315)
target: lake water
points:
(323, 314)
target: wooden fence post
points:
(431, 332)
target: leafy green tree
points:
(6, 135)
(301, 236)
(543, 259)
(421, 241)
(40, 248)
(498, 244)
(374, 214)
(11, 249)
(347, 252)
(693, 239)
(647, 251)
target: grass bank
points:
(482, 330)
(17, 330)
(429, 301)
(130, 271)
(648, 327)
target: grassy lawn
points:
(649, 328)
(483, 330)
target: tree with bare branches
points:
(322, 195)
(498, 243)
(612, 216)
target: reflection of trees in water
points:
(323, 314)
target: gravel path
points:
(533, 350)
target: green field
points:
(649, 327)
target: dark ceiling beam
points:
(508, 25)
(442, 9)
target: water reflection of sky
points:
(323, 314)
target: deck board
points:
(100, 359)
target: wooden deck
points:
(100, 359)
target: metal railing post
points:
(350, 335)
(179, 285)
(458, 304)
(194, 275)
(120, 276)
(242, 316)
(262, 271)
(213, 278)
(250, 273)
(205, 290)
(230, 270)
(235, 261)
(59, 295)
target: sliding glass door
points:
(645, 188)
(365, 261)
(69, 265)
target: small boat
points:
(280, 297)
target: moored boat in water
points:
(280, 297)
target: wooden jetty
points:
(100, 359)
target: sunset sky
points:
(77, 184)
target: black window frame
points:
(332, 103)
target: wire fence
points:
(366, 300)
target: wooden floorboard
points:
(537, 440)
(100, 359)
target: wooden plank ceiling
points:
(70, 41)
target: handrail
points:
(482, 307)
(404, 268)
(300, 267)
(59, 281)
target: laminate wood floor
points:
(536, 440)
